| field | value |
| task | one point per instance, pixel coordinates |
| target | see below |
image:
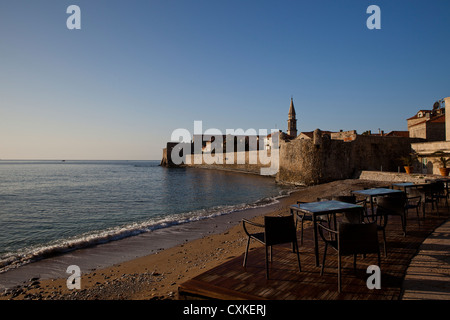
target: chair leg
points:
(384, 243)
(298, 256)
(423, 210)
(301, 240)
(437, 207)
(339, 274)
(404, 224)
(323, 261)
(267, 263)
(418, 216)
(246, 252)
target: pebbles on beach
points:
(181, 264)
(119, 287)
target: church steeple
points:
(292, 121)
(292, 110)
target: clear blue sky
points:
(137, 70)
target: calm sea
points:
(47, 207)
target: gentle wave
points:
(29, 255)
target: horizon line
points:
(80, 159)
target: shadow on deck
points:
(231, 281)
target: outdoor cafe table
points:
(376, 192)
(406, 185)
(403, 185)
(319, 208)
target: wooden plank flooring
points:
(231, 281)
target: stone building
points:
(428, 124)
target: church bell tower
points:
(292, 122)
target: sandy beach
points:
(157, 275)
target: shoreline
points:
(133, 230)
(88, 240)
(109, 253)
(156, 272)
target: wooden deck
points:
(231, 281)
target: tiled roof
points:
(415, 116)
(398, 134)
(440, 118)
(436, 119)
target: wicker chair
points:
(438, 193)
(277, 230)
(393, 206)
(350, 239)
(414, 201)
(428, 194)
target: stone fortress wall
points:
(323, 159)
(313, 161)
